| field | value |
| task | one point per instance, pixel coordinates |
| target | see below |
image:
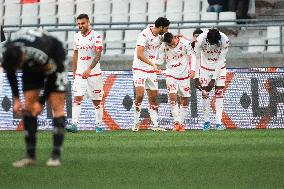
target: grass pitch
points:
(122, 159)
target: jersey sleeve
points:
(142, 39)
(99, 43)
(198, 49)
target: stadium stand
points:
(186, 13)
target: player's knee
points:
(59, 124)
(153, 107)
(30, 123)
(219, 93)
(173, 102)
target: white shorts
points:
(179, 86)
(206, 76)
(89, 88)
(144, 79)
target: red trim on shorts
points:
(91, 75)
(209, 69)
(182, 78)
(222, 77)
(87, 33)
(147, 71)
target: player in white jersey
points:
(211, 50)
(176, 52)
(145, 70)
(87, 75)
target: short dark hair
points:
(81, 16)
(197, 31)
(162, 21)
(213, 36)
(168, 37)
(12, 56)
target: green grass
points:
(122, 159)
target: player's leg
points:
(172, 87)
(151, 86)
(139, 87)
(57, 103)
(219, 94)
(205, 79)
(30, 125)
(96, 92)
(78, 91)
(31, 88)
(185, 92)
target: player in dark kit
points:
(41, 58)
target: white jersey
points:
(86, 46)
(151, 43)
(177, 59)
(211, 57)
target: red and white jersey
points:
(211, 57)
(177, 59)
(86, 46)
(151, 43)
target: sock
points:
(206, 108)
(153, 111)
(137, 112)
(183, 113)
(58, 136)
(99, 114)
(30, 124)
(76, 110)
(175, 111)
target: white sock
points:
(137, 113)
(206, 108)
(182, 113)
(175, 111)
(76, 110)
(99, 114)
(153, 111)
(219, 110)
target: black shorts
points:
(56, 82)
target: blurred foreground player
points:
(41, 58)
(211, 50)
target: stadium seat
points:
(211, 16)
(137, 17)
(191, 16)
(61, 35)
(12, 13)
(84, 6)
(102, 12)
(204, 5)
(227, 16)
(66, 19)
(138, 6)
(174, 6)
(120, 6)
(48, 19)
(191, 6)
(130, 40)
(30, 13)
(174, 16)
(47, 1)
(66, 8)
(187, 32)
(113, 40)
(273, 38)
(156, 9)
(256, 49)
(47, 8)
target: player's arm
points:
(75, 60)
(160, 55)
(191, 59)
(221, 59)
(12, 78)
(198, 50)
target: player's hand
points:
(198, 84)
(156, 69)
(74, 75)
(86, 73)
(18, 108)
(191, 74)
(37, 107)
(210, 85)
